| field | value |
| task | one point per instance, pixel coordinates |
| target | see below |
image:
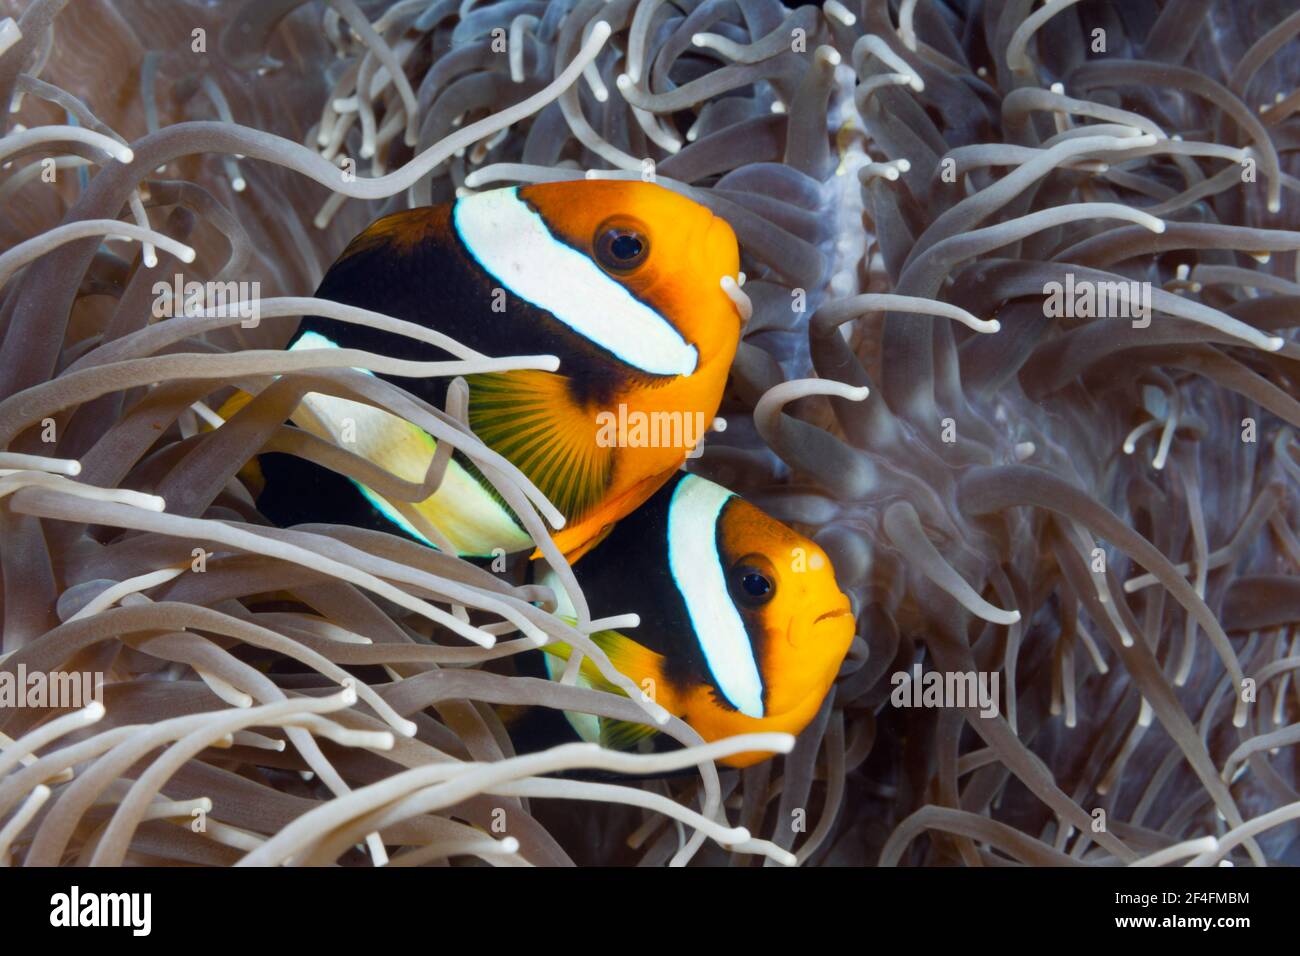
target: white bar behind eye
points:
(513, 244)
(697, 569)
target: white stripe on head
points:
(512, 243)
(697, 570)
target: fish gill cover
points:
(1022, 359)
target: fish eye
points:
(621, 247)
(751, 585)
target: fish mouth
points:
(838, 612)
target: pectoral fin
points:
(530, 418)
(642, 666)
(623, 734)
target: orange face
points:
(801, 627)
(668, 251)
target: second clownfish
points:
(622, 281)
(743, 627)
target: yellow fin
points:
(623, 734)
(251, 471)
(234, 403)
(531, 419)
(643, 666)
(629, 658)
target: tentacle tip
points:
(829, 55)
(93, 712)
(600, 31)
(239, 184)
(1274, 343)
(837, 10)
(125, 155)
(699, 39)
(187, 254)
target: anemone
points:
(1099, 509)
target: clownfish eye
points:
(621, 248)
(752, 586)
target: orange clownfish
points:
(743, 626)
(622, 281)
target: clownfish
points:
(743, 627)
(622, 281)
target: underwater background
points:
(907, 182)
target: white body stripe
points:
(700, 577)
(512, 243)
(470, 518)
